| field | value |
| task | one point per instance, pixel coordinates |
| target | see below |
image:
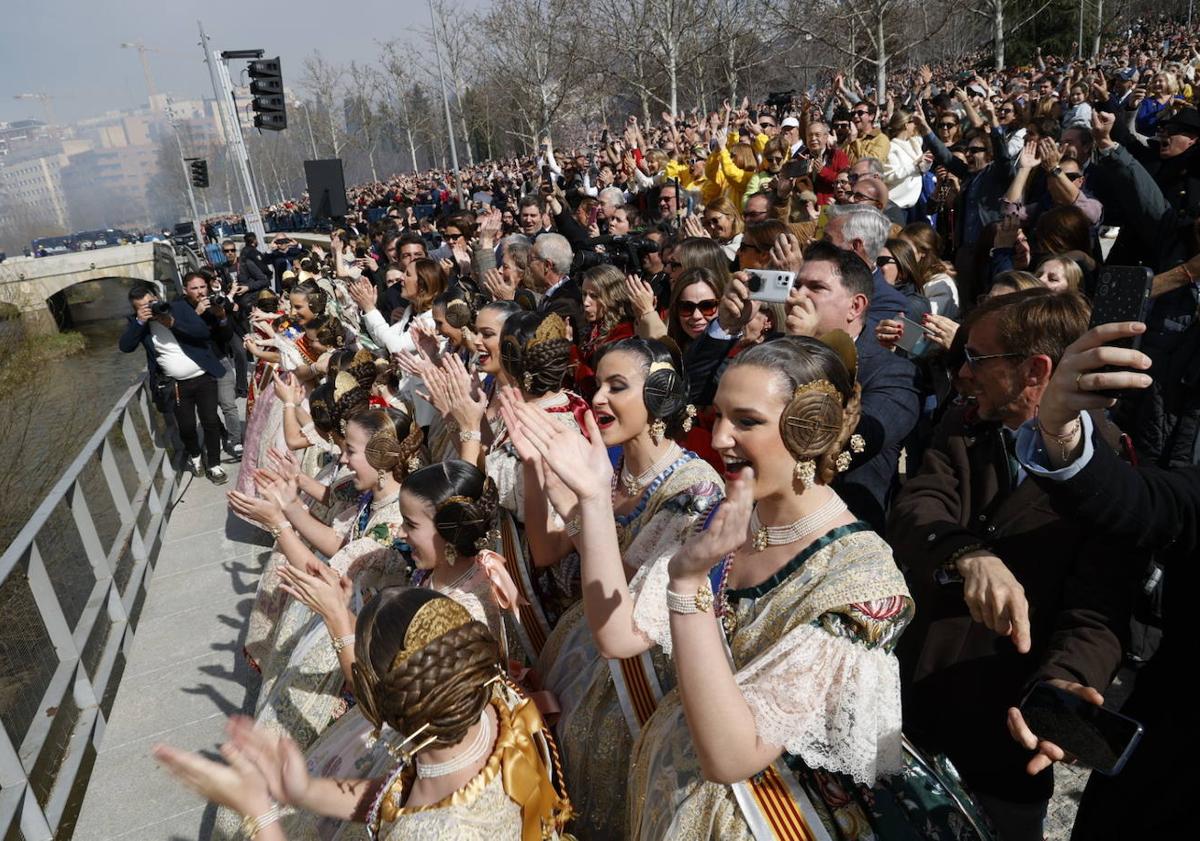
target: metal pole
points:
(446, 102)
(223, 90)
(187, 178)
(311, 139)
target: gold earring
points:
(451, 555)
(842, 462)
(657, 430)
(528, 380)
(414, 463)
(806, 473)
(689, 418)
(857, 443)
(382, 476)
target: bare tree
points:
(994, 12)
(322, 81)
(530, 44)
(457, 51)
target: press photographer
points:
(180, 339)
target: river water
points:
(73, 396)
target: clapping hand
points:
(287, 388)
(581, 463)
(364, 294)
(322, 590)
(693, 227)
(786, 253)
(497, 285)
(236, 784)
(727, 531)
(641, 296)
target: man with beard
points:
(1011, 593)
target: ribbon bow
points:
(527, 779)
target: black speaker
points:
(326, 188)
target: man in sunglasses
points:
(870, 142)
(980, 544)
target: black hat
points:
(1187, 119)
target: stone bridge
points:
(29, 283)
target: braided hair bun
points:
(823, 398)
(320, 409)
(349, 400)
(464, 501)
(395, 442)
(423, 664)
(535, 350)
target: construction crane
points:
(46, 100)
(142, 50)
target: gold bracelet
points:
(279, 529)
(1062, 440)
(341, 642)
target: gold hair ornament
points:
(552, 327)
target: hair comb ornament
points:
(812, 420)
(552, 327)
(343, 383)
(433, 620)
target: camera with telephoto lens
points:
(780, 100)
(218, 300)
(160, 308)
(624, 252)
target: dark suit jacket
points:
(887, 301)
(891, 404)
(567, 301)
(251, 275)
(195, 337)
(958, 677)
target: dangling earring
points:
(528, 380)
(689, 417)
(382, 477)
(857, 443)
(657, 430)
(451, 555)
(414, 463)
(842, 462)
(806, 473)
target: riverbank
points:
(21, 360)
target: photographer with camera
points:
(178, 338)
(212, 305)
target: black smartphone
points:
(1122, 294)
(1101, 739)
(795, 169)
(360, 253)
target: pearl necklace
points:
(765, 536)
(453, 585)
(633, 485)
(478, 749)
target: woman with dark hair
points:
(476, 761)
(755, 249)
(695, 298)
(660, 492)
(609, 313)
(423, 282)
(780, 615)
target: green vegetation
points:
(23, 355)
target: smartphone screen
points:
(1122, 294)
(1099, 738)
(913, 340)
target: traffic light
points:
(199, 168)
(266, 88)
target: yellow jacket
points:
(877, 146)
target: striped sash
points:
(776, 807)
(531, 623)
(637, 689)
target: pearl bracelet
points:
(251, 826)
(279, 529)
(341, 642)
(465, 435)
(701, 602)
(573, 527)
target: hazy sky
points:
(71, 48)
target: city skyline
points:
(87, 73)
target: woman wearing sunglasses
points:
(694, 303)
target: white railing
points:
(72, 584)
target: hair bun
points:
(459, 313)
(812, 420)
(665, 392)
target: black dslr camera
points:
(160, 308)
(218, 300)
(624, 252)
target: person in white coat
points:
(906, 162)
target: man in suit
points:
(179, 341)
(549, 263)
(832, 292)
(1011, 592)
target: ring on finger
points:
(1078, 377)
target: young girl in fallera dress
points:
(477, 763)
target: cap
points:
(1185, 118)
(1127, 74)
(790, 122)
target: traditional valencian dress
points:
(517, 796)
(347, 750)
(604, 703)
(544, 594)
(811, 650)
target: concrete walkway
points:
(184, 675)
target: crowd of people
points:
(584, 527)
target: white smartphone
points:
(770, 286)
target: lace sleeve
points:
(375, 551)
(830, 699)
(505, 470)
(653, 549)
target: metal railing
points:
(72, 585)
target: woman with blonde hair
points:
(722, 221)
(902, 171)
(731, 167)
(936, 275)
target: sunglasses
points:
(973, 361)
(860, 113)
(977, 150)
(1073, 176)
(858, 198)
(712, 220)
(707, 307)
(884, 260)
(1005, 111)
(947, 125)
(228, 251)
